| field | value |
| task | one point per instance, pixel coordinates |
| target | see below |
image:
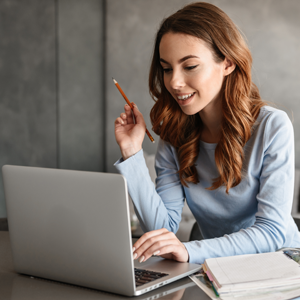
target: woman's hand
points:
(130, 135)
(160, 242)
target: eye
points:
(191, 67)
(167, 70)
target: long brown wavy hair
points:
(241, 101)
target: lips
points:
(185, 99)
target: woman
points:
(221, 147)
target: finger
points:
(147, 236)
(170, 249)
(119, 121)
(174, 251)
(152, 245)
(123, 116)
(178, 253)
(127, 107)
(168, 245)
(129, 115)
(139, 118)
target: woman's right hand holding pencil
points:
(130, 134)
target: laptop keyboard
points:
(146, 276)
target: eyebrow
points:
(181, 60)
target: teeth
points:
(185, 96)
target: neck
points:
(211, 117)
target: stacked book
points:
(274, 275)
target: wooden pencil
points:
(128, 102)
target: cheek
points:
(217, 75)
(212, 81)
(167, 83)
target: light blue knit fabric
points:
(256, 215)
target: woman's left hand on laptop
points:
(159, 242)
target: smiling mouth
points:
(185, 97)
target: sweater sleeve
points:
(274, 199)
(160, 206)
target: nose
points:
(177, 80)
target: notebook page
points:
(252, 267)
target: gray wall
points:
(51, 85)
(57, 100)
(80, 89)
(272, 28)
(27, 85)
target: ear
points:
(229, 66)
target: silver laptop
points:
(74, 227)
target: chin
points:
(189, 110)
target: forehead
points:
(178, 45)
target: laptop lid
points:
(74, 227)
(70, 226)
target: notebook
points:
(254, 273)
(74, 227)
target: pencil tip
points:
(114, 80)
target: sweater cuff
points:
(194, 257)
(124, 165)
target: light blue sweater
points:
(256, 215)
